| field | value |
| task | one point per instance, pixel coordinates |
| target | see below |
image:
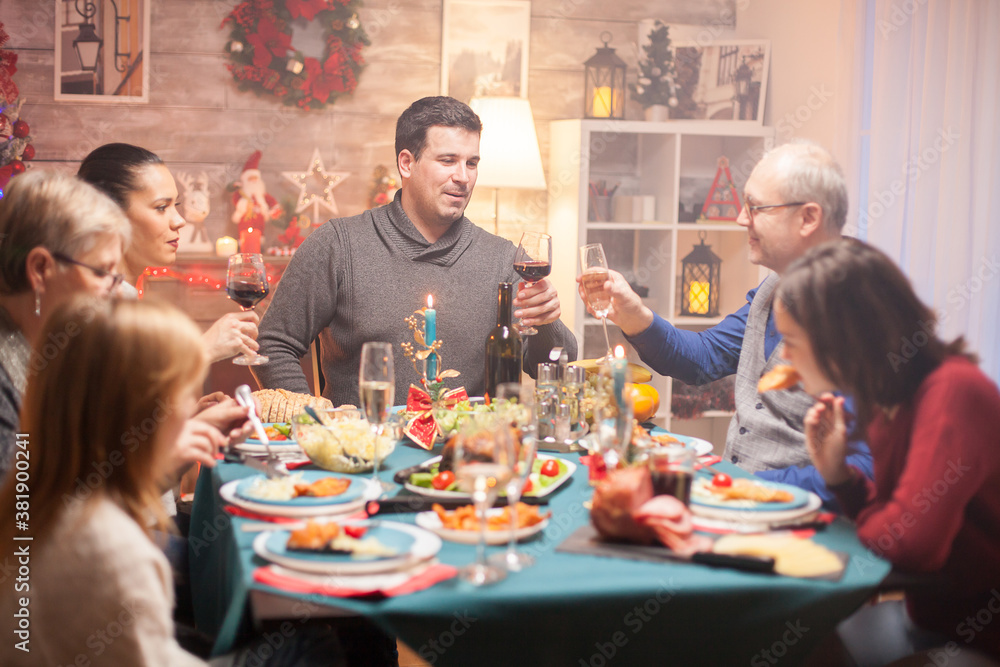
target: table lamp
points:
(508, 148)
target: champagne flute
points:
(246, 284)
(483, 465)
(533, 261)
(377, 385)
(517, 405)
(594, 266)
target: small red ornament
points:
(21, 129)
(5, 174)
(17, 167)
(28, 153)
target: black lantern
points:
(700, 281)
(87, 43)
(604, 83)
(742, 80)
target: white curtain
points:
(931, 168)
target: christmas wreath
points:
(262, 57)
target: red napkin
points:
(425, 578)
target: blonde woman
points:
(58, 237)
(94, 496)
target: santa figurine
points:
(253, 207)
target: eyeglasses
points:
(752, 209)
(116, 278)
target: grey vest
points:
(767, 431)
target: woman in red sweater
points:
(852, 323)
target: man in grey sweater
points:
(356, 279)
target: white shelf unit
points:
(648, 159)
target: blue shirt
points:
(699, 357)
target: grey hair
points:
(808, 173)
(55, 211)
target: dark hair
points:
(113, 169)
(411, 128)
(870, 333)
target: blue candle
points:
(430, 335)
(619, 368)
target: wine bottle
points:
(503, 345)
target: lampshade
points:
(508, 148)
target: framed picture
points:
(722, 80)
(102, 50)
(484, 48)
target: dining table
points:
(567, 609)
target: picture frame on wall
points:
(723, 80)
(484, 48)
(102, 51)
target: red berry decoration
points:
(21, 129)
(28, 153)
(17, 167)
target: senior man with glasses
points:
(795, 198)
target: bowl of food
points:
(342, 440)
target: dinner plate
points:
(415, 544)
(352, 493)
(701, 447)
(700, 495)
(537, 491)
(741, 520)
(228, 493)
(432, 522)
(274, 443)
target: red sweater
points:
(934, 506)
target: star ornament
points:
(316, 186)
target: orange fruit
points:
(645, 401)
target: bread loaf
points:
(280, 405)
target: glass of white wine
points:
(377, 385)
(594, 267)
(483, 464)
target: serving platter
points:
(432, 522)
(566, 470)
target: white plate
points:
(755, 517)
(538, 493)
(701, 447)
(228, 493)
(432, 522)
(425, 546)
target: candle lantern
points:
(700, 281)
(604, 83)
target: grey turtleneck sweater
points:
(356, 279)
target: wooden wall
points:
(197, 120)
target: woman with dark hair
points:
(852, 323)
(138, 181)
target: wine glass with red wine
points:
(246, 283)
(533, 261)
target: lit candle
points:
(698, 297)
(225, 246)
(602, 102)
(619, 367)
(430, 335)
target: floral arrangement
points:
(422, 426)
(15, 133)
(262, 57)
(383, 187)
(433, 386)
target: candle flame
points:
(430, 300)
(619, 352)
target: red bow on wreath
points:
(422, 429)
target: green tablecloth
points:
(568, 609)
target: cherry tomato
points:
(527, 486)
(357, 532)
(722, 479)
(443, 480)
(550, 468)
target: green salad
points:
(544, 473)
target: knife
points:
(273, 466)
(415, 503)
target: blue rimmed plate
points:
(352, 493)
(703, 497)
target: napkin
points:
(256, 516)
(384, 585)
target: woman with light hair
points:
(58, 237)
